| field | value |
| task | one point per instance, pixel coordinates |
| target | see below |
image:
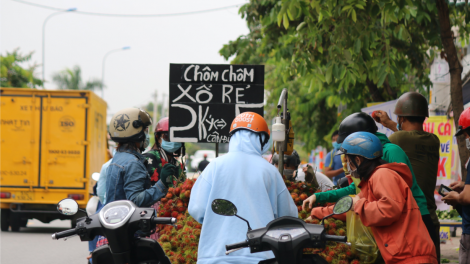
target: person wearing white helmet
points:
(127, 176)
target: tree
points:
(455, 69)
(71, 79)
(332, 52)
(13, 75)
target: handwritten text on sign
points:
(204, 99)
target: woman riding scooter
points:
(127, 176)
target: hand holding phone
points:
(444, 190)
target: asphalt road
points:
(34, 244)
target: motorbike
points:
(118, 221)
(286, 236)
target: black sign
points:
(205, 98)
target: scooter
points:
(285, 236)
(118, 221)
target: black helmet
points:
(275, 159)
(355, 123)
(292, 160)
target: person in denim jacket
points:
(127, 176)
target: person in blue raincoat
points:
(250, 182)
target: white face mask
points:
(467, 142)
(147, 140)
(354, 173)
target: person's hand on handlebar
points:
(355, 199)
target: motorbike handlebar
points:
(163, 221)
(66, 233)
(336, 238)
(237, 245)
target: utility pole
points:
(163, 106)
(155, 113)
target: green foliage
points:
(13, 75)
(332, 52)
(71, 79)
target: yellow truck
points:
(51, 144)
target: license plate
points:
(25, 196)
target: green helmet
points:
(412, 104)
(128, 125)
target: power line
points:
(130, 15)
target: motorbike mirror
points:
(67, 207)
(95, 176)
(224, 207)
(343, 205)
(227, 208)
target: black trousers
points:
(434, 234)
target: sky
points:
(131, 76)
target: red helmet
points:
(162, 125)
(464, 122)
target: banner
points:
(443, 128)
(449, 163)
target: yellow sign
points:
(444, 233)
(443, 128)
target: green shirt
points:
(391, 153)
(422, 148)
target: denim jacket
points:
(128, 179)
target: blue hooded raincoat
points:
(253, 185)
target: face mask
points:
(467, 142)
(171, 147)
(336, 145)
(398, 124)
(114, 151)
(354, 173)
(147, 140)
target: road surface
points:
(34, 244)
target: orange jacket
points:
(387, 205)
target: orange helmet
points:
(253, 122)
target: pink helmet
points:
(162, 125)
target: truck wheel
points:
(5, 219)
(15, 222)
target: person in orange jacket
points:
(386, 203)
